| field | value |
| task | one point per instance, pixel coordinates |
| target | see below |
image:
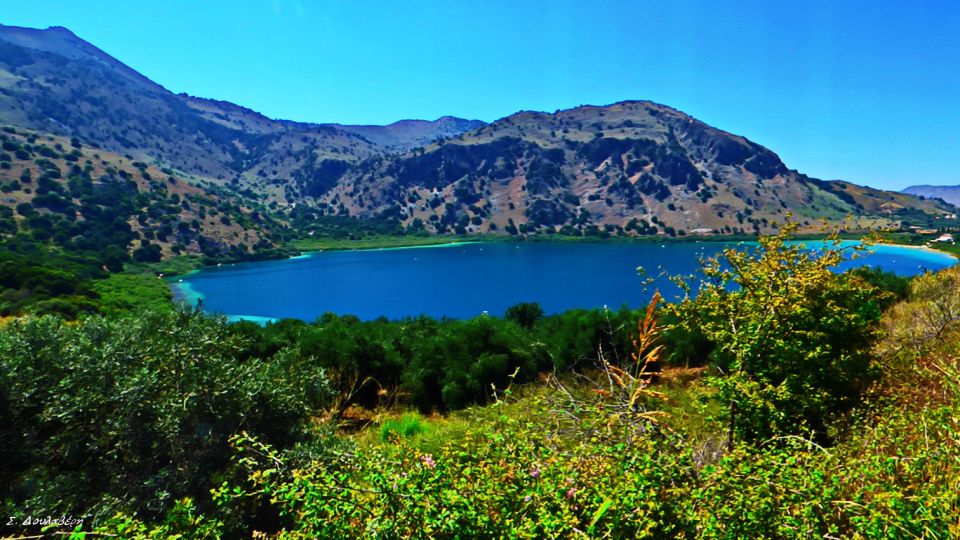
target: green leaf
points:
(599, 514)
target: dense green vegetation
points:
(121, 293)
(799, 403)
(45, 280)
(150, 399)
(39, 279)
(440, 365)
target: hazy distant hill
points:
(950, 194)
(634, 167)
(408, 134)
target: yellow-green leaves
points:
(791, 336)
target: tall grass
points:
(406, 427)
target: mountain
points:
(950, 194)
(634, 167)
(408, 134)
(52, 81)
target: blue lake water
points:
(465, 280)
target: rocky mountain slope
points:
(634, 167)
(53, 81)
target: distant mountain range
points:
(407, 134)
(634, 167)
(950, 194)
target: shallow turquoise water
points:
(468, 279)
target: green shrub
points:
(132, 413)
(791, 337)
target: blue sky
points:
(867, 91)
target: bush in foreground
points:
(121, 414)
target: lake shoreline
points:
(398, 242)
(403, 242)
(928, 249)
(420, 242)
(478, 277)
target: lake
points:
(465, 280)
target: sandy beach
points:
(927, 249)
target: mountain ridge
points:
(66, 43)
(406, 134)
(631, 167)
(55, 82)
(949, 194)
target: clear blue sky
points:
(867, 91)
